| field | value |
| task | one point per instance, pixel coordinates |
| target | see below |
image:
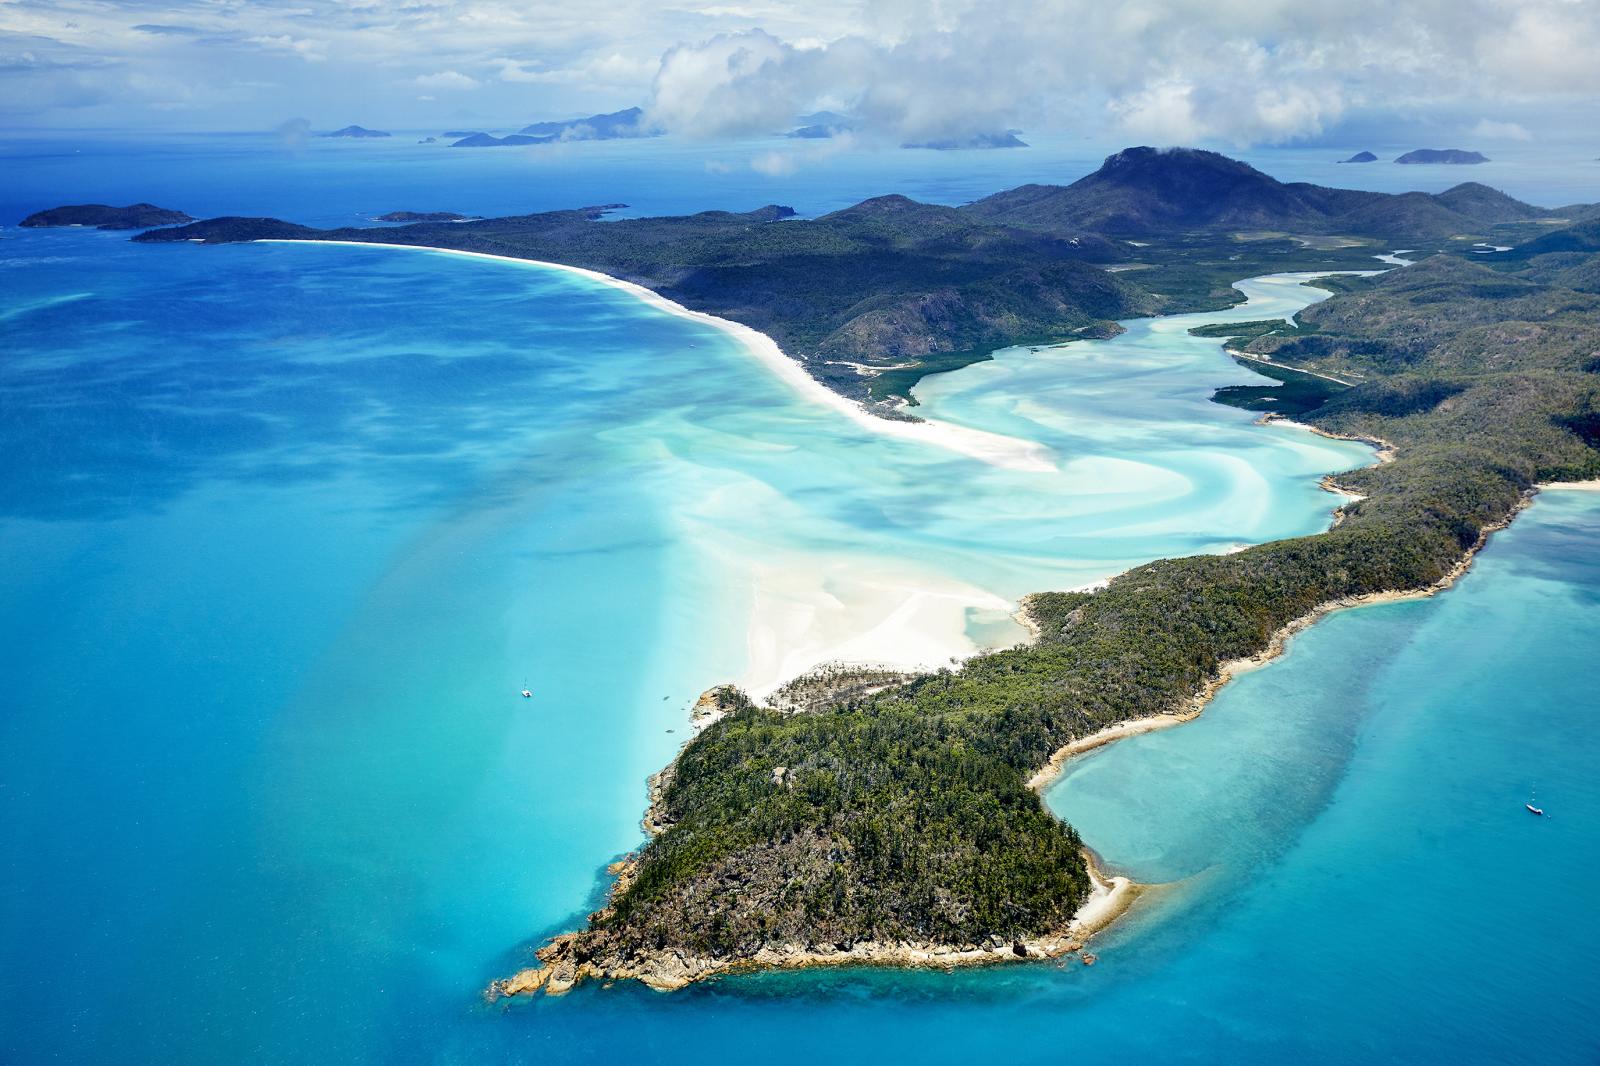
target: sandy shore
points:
(857, 611)
(993, 448)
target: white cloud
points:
(1233, 70)
(309, 50)
(1247, 71)
(446, 79)
(1490, 130)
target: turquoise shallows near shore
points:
(288, 527)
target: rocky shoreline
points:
(560, 969)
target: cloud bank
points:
(1239, 71)
(1245, 71)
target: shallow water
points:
(287, 527)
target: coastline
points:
(1279, 641)
(558, 971)
(993, 448)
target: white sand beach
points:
(994, 448)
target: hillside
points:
(1148, 191)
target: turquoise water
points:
(287, 527)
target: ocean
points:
(287, 529)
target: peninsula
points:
(892, 820)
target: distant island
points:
(1008, 139)
(355, 131)
(821, 125)
(1361, 157)
(1455, 156)
(866, 817)
(617, 125)
(489, 140)
(103, 216)
(421, 216)
(825, 124)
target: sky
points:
(1240, 72)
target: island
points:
(422, 216)
(821, 125)
(625, 124)
(1361, 157)
(859, 818)
(1006, 139)
(489, 140)
(355, 131)
(1452, 156)
(104, 216)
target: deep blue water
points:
(285, 528)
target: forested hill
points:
(1149, 191)
(872, 298)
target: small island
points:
(422, 216)
(1006, 139)
(489, 140)
(1361, 157)
(1452, 156)
(104, 216)
(355, 131)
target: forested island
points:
(1450, 156)
(104, 216)
(896, 819)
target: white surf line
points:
(996, 449)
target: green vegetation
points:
(1297, 393)
(1244, 330)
